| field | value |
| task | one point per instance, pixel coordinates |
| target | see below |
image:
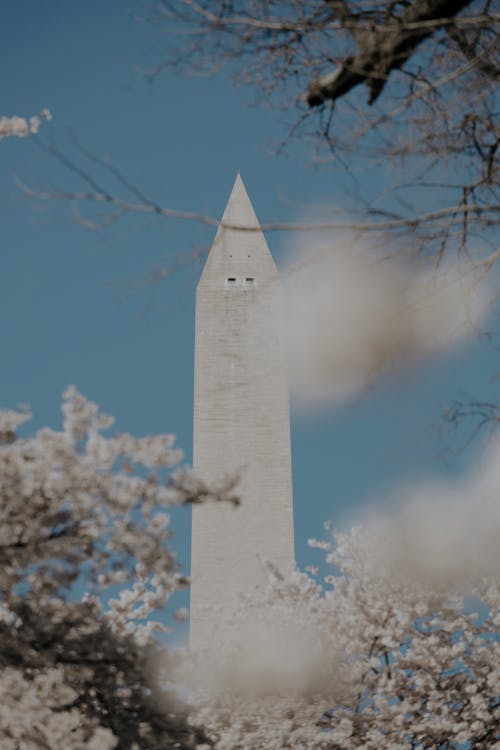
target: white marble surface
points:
(241, 420)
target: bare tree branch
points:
(382, 49)
(480, 415)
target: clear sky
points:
(75, 304)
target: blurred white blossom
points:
(443, 534)
(354, 316)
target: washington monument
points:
(241, 421)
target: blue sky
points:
(74, 305)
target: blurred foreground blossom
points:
(443, 535)
(353, 317)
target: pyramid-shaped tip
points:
(237, 254)
(238, 182)
(239, 211)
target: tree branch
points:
(383, 49)
(468, 50)
(453, 215)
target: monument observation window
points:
(231, 279)
(249, 279)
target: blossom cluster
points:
(22, 126)
(371, 657)
(85, 563)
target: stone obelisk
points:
(241, 421)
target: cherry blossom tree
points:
(390, 650)
(397, 647)
(85, 564)
(367, 661)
